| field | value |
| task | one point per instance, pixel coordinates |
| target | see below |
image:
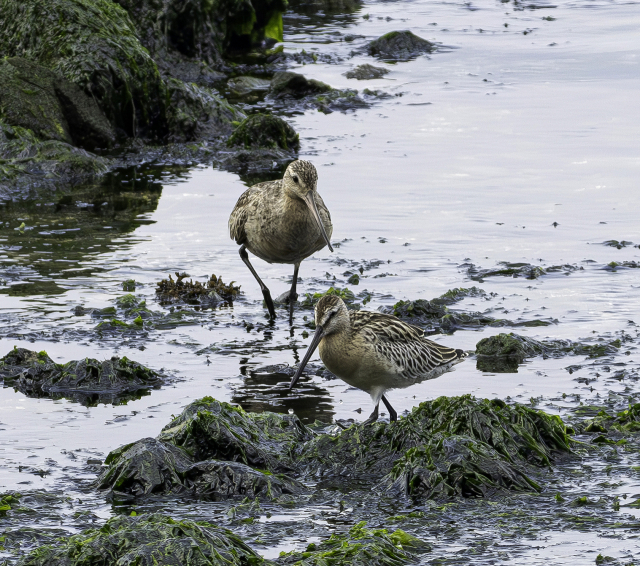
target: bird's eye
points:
(295, 178)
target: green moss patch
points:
(359, 546)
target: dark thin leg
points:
(265, 292)
(393, 416)
(293, 296)
(373, 417)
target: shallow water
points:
(481, 148)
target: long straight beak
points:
(311, 203)
(314, 344)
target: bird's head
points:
(331, 314)
(301, 182)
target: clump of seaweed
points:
(311, 299)
(360, 546)
(149, 539)
(88, 381)
(212, 291)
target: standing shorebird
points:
(282, 221)
(374, 352)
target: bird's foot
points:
(269, 301)
(285, 298)
(373, 417)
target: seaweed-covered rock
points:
(211, 450)
(287, 83)
(265, 131)
(509, 269)
(359, 546)
(502, 353)
(89, 380)
(399, 46)
(626, 421)
(519, 434)
(209, 429)
(26, 160)
(93, 44)
(310, 299)
(366, 72)
(213, 291)
(38, 99)
(452, 465)
(326, 6)
(435, 308)
(145, 467)
(147, 540)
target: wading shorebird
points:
(283, 221)
(375, 352)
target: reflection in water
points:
(267, 389)
(57, 235)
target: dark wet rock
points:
(435, 315)
(88, 381)
(399, 46)
(504, 352)
(326, 6)
(240, 86)
(524, 270)
(366, 72)
(147, 540)
(287, 83)
(212, 291)
(204, 30)
(359, 546)
(518, 433)
(35, 98)
(94, 45)
(452, 465)
(197, 113)
(27, 162)
(265, 131)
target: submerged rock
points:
(265, 131)
(35, 98)
(435, 314)
(359, 546)
(286, 83)
(399, 46)
(213, 291)
(503, 353)
(366, 72)
(148, 540)
(88, 381)
(508, 269)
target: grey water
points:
(517, 140)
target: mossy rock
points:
(453, 465)
(287, 83)
(399, 46)
(147, 540)
(519, 434)
(204, 30)
(88, 380)
(93, 44)
(366, 72)
(265, 131)
(360, 546)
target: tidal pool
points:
(516, 141)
